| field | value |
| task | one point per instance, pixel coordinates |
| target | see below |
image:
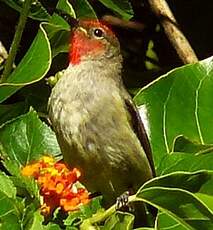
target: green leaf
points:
(122, 7)
(37, 221)
(119, 220)
(27, 187)
(86, 211)
(183, 144)
(7, 112)
(10, 221)
(84, 10)
(37, 11)
(52, 226)
(9, 212)
(65, 6)
(181, 205)
(59, 38)
(7, 187)
(165, 222)
(74, 218)
(178, 103)
(58, 30)
(144, 228)
(92, 207)
(32, 67)
(191, 182)
(206, 199)
(175, 195)
(27, 138)
(185, 162)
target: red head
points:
(93, 40)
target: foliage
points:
(177, 112)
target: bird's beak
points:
(73, 22)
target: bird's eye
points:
(98, 33)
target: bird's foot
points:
(122, 203)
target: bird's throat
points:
(83, 47)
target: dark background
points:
(195, 18)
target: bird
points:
(97, 124)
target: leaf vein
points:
(197, 108)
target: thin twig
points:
(112, 20)
(16, 40)
(161, 9)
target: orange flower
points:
(57, 185)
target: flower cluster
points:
(57, 185)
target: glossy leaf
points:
(181, 205)
(144, 228)
(165, 222)
(58, 30)
(183, 144)
(178, 103)
(9, 213)
(37, 221)
(37, 11)
(26, 187)
(57, 20)
(27, 138)
(119, 220)
(66, 6)
(83, 9)
(121, 7)
(59, 38)
(32, 67)
(7, 186)
(175, 195)
(185, 162)
(191, 182)
(86, 211)
(10, 221)
(52, 226)
(206, 199)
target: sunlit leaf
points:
(27, 138)
(7, 186)
(166, 222)
(119, 220)
(175, 195)
(9, 213)
(179, 103)
(185, 162)
(32, 67)
(183, 144)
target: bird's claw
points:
(123, 201)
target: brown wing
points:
(139, 129)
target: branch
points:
(161, 9)
(112, 20)
(16, 40)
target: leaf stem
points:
(16, 40)
(101, 216)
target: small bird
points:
(95, 120)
